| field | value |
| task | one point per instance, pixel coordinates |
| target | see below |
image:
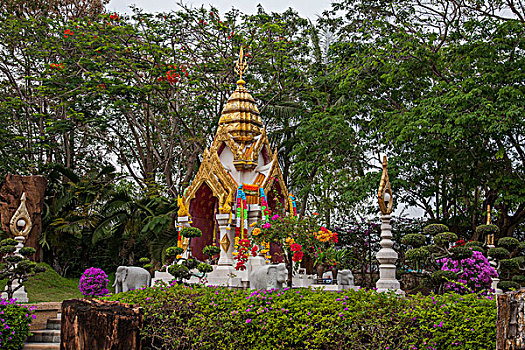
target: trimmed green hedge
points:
(182, 317)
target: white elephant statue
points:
(131, 278)
(345, 278)
(268, 277)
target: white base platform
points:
(333, 287)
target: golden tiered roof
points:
(240, 126)
(242, 131)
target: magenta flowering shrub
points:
(15, 321)
(94, 282)
(474, 274)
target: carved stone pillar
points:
(387, 258)
(227, 239)
(184, 221)
(254, 215)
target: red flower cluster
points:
(114, 17)
(298, 254)
(173, 75)
(56, 66)
(459, 243)
(334, 237)
(242, 256)
(68, 32)
(254, 250)
(295, 247)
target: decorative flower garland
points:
(292, 205)
(242, 254)
(264, 206)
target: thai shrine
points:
(238, 179)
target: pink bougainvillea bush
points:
(94, 282)
(473, 274)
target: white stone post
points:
(227, 239)
(254, 215)
(184, 221)
(387, 258)
(20, 294)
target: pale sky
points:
(306, 8)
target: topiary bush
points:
(16, 267)
(498, 253)
(15, 321)
(190, 232)
(417, 254)
(472, 244)
(445, 238)
(484, 230)
(414, 239)
(460, 253)
(434, 229)
(211, 250)
(195, 317)
(510, 243)
(519, 279)
(508, 285)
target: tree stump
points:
(10, 194)
(511, 321)
(96, 324)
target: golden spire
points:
(384, 195)
(488, 215)
(241, 67)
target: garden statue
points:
(269, 277)
(131, 278)
(345, 278)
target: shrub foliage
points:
(182, 317)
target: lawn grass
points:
(50, 286)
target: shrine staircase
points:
(45, 339)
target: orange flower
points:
(256, 231)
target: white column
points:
(184, 221)
(227, 239)
(254, 215)
(387, 258)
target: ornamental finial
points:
(489, 221)
(241, 67)
(20, 224)
(384, 195)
